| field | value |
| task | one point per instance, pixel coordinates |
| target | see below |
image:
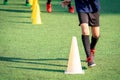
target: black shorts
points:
(91, 18)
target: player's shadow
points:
(37, 61)
(18, 11)
(32, 61)
(25, 22)
(39, 69)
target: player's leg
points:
(48, 1)
(85, 38)
(27, 3)
(94, 22)
(49, 6)
(70, 8)
(83, 18)
(94, 39)
(95, 36)
(86, 44)
(5, 2)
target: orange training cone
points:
(74, 63)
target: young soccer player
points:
(88, 15)
(49, 7)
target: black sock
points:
(86, 44)
(5, 0)
(27, 1)
(93, 42)
(48, 1)
(69, 5)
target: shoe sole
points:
(92, 65)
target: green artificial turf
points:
(41, 52)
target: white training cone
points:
(74, 63)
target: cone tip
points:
(74, 37)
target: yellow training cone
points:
(34, 8)
(31, 2)
(74, 63)
(36, 14)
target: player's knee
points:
(85, 32)
(96, 36)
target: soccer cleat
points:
(27, 4)
(71, 9)
(91, 65)
(48, 8)
(90, 62)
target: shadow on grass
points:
(42, 69)
(19, 11)
(19, 16)
(25, 22)
(39, 69)
(32, 61)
